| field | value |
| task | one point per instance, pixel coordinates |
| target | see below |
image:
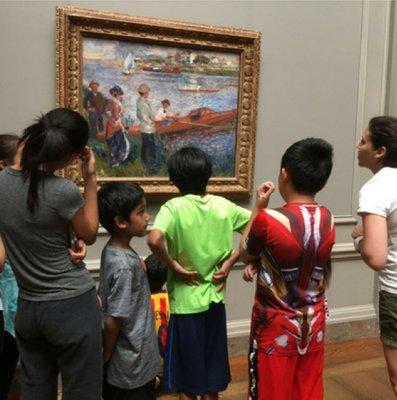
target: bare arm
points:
(156, 243)
(78, 253)
(219, 277)
(110, 335)
(263, 193)
(373, 247)
(85, 222)
(2, 255)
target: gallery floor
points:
(355, 370)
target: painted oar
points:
(196, 124)
(203, 125)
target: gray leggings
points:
(60, 336)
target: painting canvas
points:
(191, 99)
(149, 87)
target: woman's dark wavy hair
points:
(53, 138)
(8, 147)
(383, 132)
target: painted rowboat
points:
(200, 118)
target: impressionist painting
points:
(145, 101)
(150, 86)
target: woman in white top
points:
(376, 239)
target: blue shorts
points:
(196, 359)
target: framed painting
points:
(148, 87)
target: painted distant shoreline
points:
(192, 69)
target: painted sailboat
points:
(128, 65)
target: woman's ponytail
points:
(53, 138)
(32, 139)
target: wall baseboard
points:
(362, 312)
(337, 315)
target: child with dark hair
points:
(8, 289)
(8, 149)
(38, 210)
(198, 230)
(156, 272)
(130, 350)
(157, 275)
(291, 246)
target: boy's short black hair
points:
(156, 273)
(190, 170)
(308, 162)
(8, 147)
(117, 199)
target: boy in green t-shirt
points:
(197, 229)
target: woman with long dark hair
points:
(376, 238)
(58, 322)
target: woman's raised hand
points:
(88, 165)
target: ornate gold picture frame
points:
(148, 87)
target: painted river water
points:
(219, 142)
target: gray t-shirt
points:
(125, 294)
(37, 244)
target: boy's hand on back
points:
(263, 193)
(249, 272)
(78, 254)
(220, 277)
(189, 277)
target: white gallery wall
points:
(326, 69)
(391, 99)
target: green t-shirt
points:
(199, 235)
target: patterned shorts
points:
(388, 318)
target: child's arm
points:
(262, 199)
(117, 300)
(110, 335)
(263, 193)
(250, 271)
(156, 243)
(219, 277)
(2, 255)
(85, 222)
